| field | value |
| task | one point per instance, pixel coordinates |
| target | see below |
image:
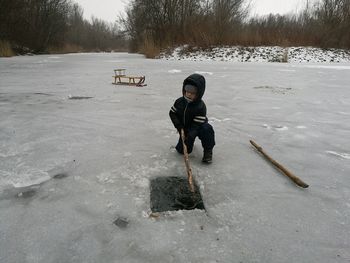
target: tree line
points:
(157, 24)
(54, 25)
(149, 26)
(325, 24)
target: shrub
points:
(66, 48)
(5, 49)
(149, 48)
(285, 55)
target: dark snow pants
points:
(205, 133)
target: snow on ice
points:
(75, 173)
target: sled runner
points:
(120, 78)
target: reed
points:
(5, 49)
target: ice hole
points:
(173, 193)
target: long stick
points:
(294, 178)
(187, 162)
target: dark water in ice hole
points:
(173, 193)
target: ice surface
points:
(73, 170)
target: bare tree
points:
(227, 16)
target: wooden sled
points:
(120, 78)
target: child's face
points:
(191, 95)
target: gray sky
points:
(263, 7)
(108, 10)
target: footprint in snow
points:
(275, 127)
(213, 119)
(174, 71)
(280, 128)
(204, 72)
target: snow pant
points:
(205, 133)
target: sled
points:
(120, 78)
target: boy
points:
(189, 113)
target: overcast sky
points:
(108, 10)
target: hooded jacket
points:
(189, 115)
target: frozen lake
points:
(70, 168)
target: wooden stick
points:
(187, 162)
(294, 178)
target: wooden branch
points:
(187, 162)
(294, 178)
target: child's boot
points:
(207, 156)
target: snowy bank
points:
(258, 54)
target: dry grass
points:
(149, 49)
(285, 56)
(67, 48)
(5, 49)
